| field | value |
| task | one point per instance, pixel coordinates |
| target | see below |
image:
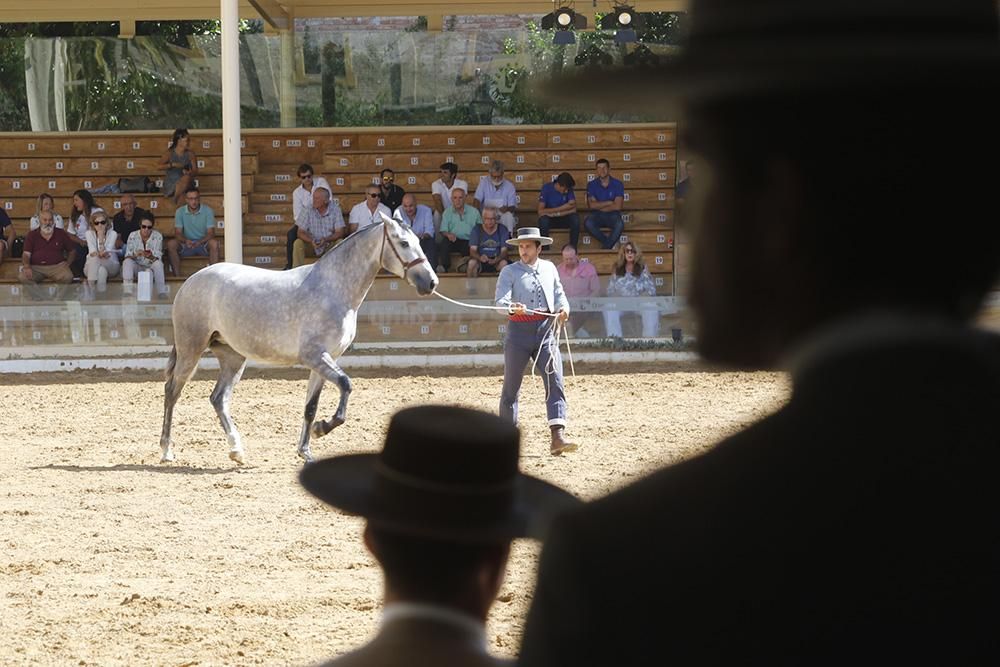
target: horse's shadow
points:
(134, 467)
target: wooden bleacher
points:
(643, 156)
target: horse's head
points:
(402, 255)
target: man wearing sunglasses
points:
(367, 212)
(389, 193)
(302, 201)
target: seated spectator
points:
(181, 165)
(144, 252)
(368, 211)
(557, 207)
(6, 235)
(487, 245)
(194, 232)
(420, 218)
(440, 532)
(580, 281)
(498, 192)
(302, 201)
(605, 195)
(441, 190)
(45, 203)
(630, 278)
(390, 194)
(319, 228)
(127, 221)
(77, 225)
(102, 260)
(45, 253)
(457, 224)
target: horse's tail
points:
(171, 363)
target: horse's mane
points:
(349, 241)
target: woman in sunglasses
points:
(630, 278)
(144, 252)
(102, 260)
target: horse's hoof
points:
(168, 457)
(319, 429)
(237, 456)
(306, 456)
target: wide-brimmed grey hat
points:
(529, 234)
(760, 47)
(446, 473)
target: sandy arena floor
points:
(109, 558)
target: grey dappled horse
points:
(305, 316)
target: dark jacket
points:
(858, 524)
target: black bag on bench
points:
(136, 184)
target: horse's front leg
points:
(328, 368)
(312, 401)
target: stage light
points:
(563, 20)
(624, 20)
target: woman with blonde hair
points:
(102, 260)
(44, 202)
(630, 278)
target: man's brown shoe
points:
(559, 442)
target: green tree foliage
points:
(108, 90)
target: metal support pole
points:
(287, 86)
(232, 174)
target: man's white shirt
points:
(363, 217)
(302, 199)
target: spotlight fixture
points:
(563, 19)
(624, 20)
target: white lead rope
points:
(560, 332)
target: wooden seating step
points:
(476, 161)
(279, 202)
(35, 185)
(497, 139)
(278, 217)
(283, 181)
(110, 168)
(22, 208)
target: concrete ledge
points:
(366, 361)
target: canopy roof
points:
(279, 14)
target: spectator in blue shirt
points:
(194, 232)
(605, 195)
(557, 207)
(488, 245)
(420, 218)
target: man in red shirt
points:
(44, 255)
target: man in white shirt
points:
(420, 218)
(302, 201)
(498, 192)
(319, 229)
(441, 190)
(368, 211)
(441, 533)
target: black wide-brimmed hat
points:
(760, 47)
(446, 473)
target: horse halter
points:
(385, 237)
